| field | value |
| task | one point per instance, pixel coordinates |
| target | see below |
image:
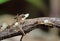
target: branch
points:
(28, 26)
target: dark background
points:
(21, 6)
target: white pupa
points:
(26, 15)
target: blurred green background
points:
(36, 8)
(3, 1)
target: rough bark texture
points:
(28, 26)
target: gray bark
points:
(28, 26)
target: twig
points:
(28, 26)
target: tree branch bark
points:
(28, 26)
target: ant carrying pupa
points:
(18, 22)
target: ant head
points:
(24, 16)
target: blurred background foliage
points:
(36, 8)
(40, 7)
(3, 1)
